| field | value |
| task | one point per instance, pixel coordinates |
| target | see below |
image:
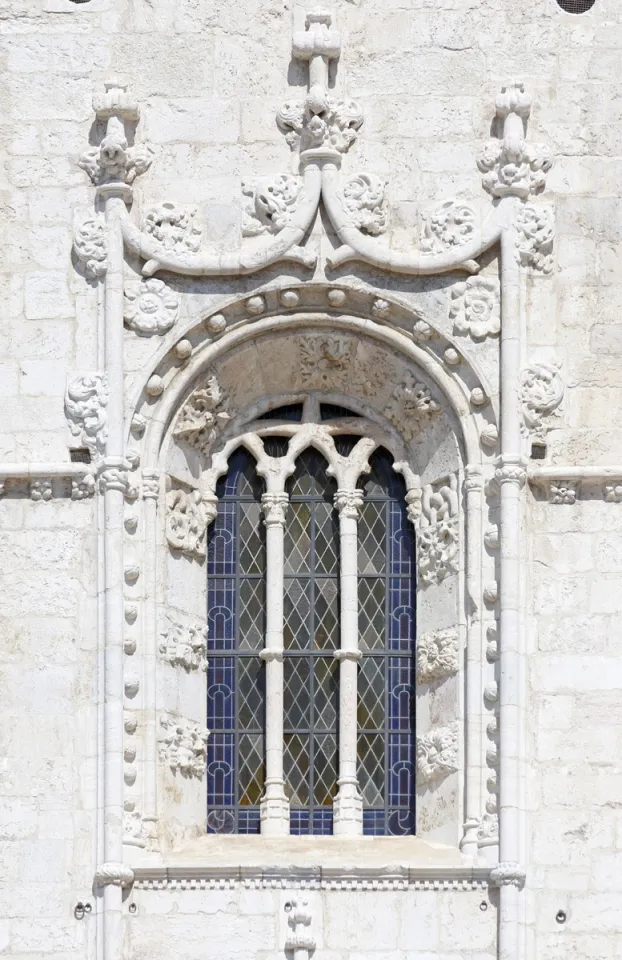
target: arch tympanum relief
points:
(437, 375)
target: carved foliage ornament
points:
(450, 225)
(202, 417)
(86, 398)
(437, 754)
(152, 308)
(183, 645)
(187, 517)
(475, 308)
(183, 746)
(437, 655)
(411, 405)
(324, 361)
(436, 517)
(363, 199)
(534, 239)
(542, 392)
(320, 121)
(90, 246)
(269, 206)
(174, 227)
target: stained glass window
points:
(311, 637)
(236, 566)
(386, 568)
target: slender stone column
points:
(473, 484)
(274, 804)
(348, 806)
(151, 492)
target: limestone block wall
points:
(209, 77)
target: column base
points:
(348, 811)
(274, 813)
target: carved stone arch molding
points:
(381, 359)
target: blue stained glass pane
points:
(221, 545)
(220, 770)
(221, 821)
(322, 822)
(248, 820)
(401, 770)
(401, 623)
(402, 549)
(401, 683)
(221, 614)
(374, 823)
(221, 694)
(298, 822)
(401, 823)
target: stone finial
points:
(511, 166)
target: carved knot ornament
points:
(437, 530)
(511, 166)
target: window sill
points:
(375, 863)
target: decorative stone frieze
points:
(363, 198)
(270, 205)
(202, 417)
(90, 246)
(83, 487)
(563, 491)
(183, 746)
(187, 517)
(435, 515)
(450, 225)
(411, 405)
(475, 307)
(41, 489)
(184, 644)
(535, 233)
(152, 308)
(612, 492)
(86, 399)
(542, 392)
(174, 228)
(437, 655)
(437, 754)
(511, 166)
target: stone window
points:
(576, 6)
(310, 681)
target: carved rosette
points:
(475, 308)
(86, 399)
(411, 405)
(152, 308)
(183, 746)
(363, 200)
(202, 417)
(91, 247)
(187, 517)
(437, 655)
(535, 232)
(270, 205)
(542, 392)
(437, 754)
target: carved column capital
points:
(349, 502)
(274, 506)
(113, 874)
(511, 469)
(508, 873)
(114, 474)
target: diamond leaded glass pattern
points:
(386, 566)
(311, 636)
(236, 564)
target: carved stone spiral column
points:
(274, 805)
(348, 806)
